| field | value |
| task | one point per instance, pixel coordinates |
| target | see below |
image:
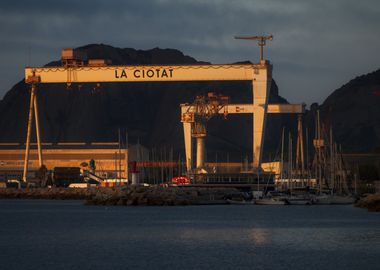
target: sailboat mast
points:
(299, 149)
(290, 169)
(332, 161)
(319, 152)
(307, 156)
(282, 154)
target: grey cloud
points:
(317, 44)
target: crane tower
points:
(262, 41)
(198, 114)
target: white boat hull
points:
(240, 202)
(300, 201)
(270, 201)
(334, 199)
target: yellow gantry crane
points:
(77, 69)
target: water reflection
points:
(70, 235)
(259, 236)
(211, 235)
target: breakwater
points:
(151, 195)
(127, 195)
(48, 193)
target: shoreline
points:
(147, 196)
(126, 195)
(371, 202)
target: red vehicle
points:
(180, 180)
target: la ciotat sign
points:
(144, 73)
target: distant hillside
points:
(354, 113)
(148, 111)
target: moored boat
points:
(271, 201)
(240, 202)
(334, 199)
(299, 201)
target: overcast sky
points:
(318, 44)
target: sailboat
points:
(300, 200)
(334, 199)
(271, 201)
(240, 202)
(298, 195)
(330, 172)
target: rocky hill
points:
(150, 112)
(353, 111)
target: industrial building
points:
(111, 161)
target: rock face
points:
(159, 196)
(150, 112)
(371, 202)
(354, 113)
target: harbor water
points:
(40, 234)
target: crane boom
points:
(143, 73)
(250, 108)
(261, 42)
